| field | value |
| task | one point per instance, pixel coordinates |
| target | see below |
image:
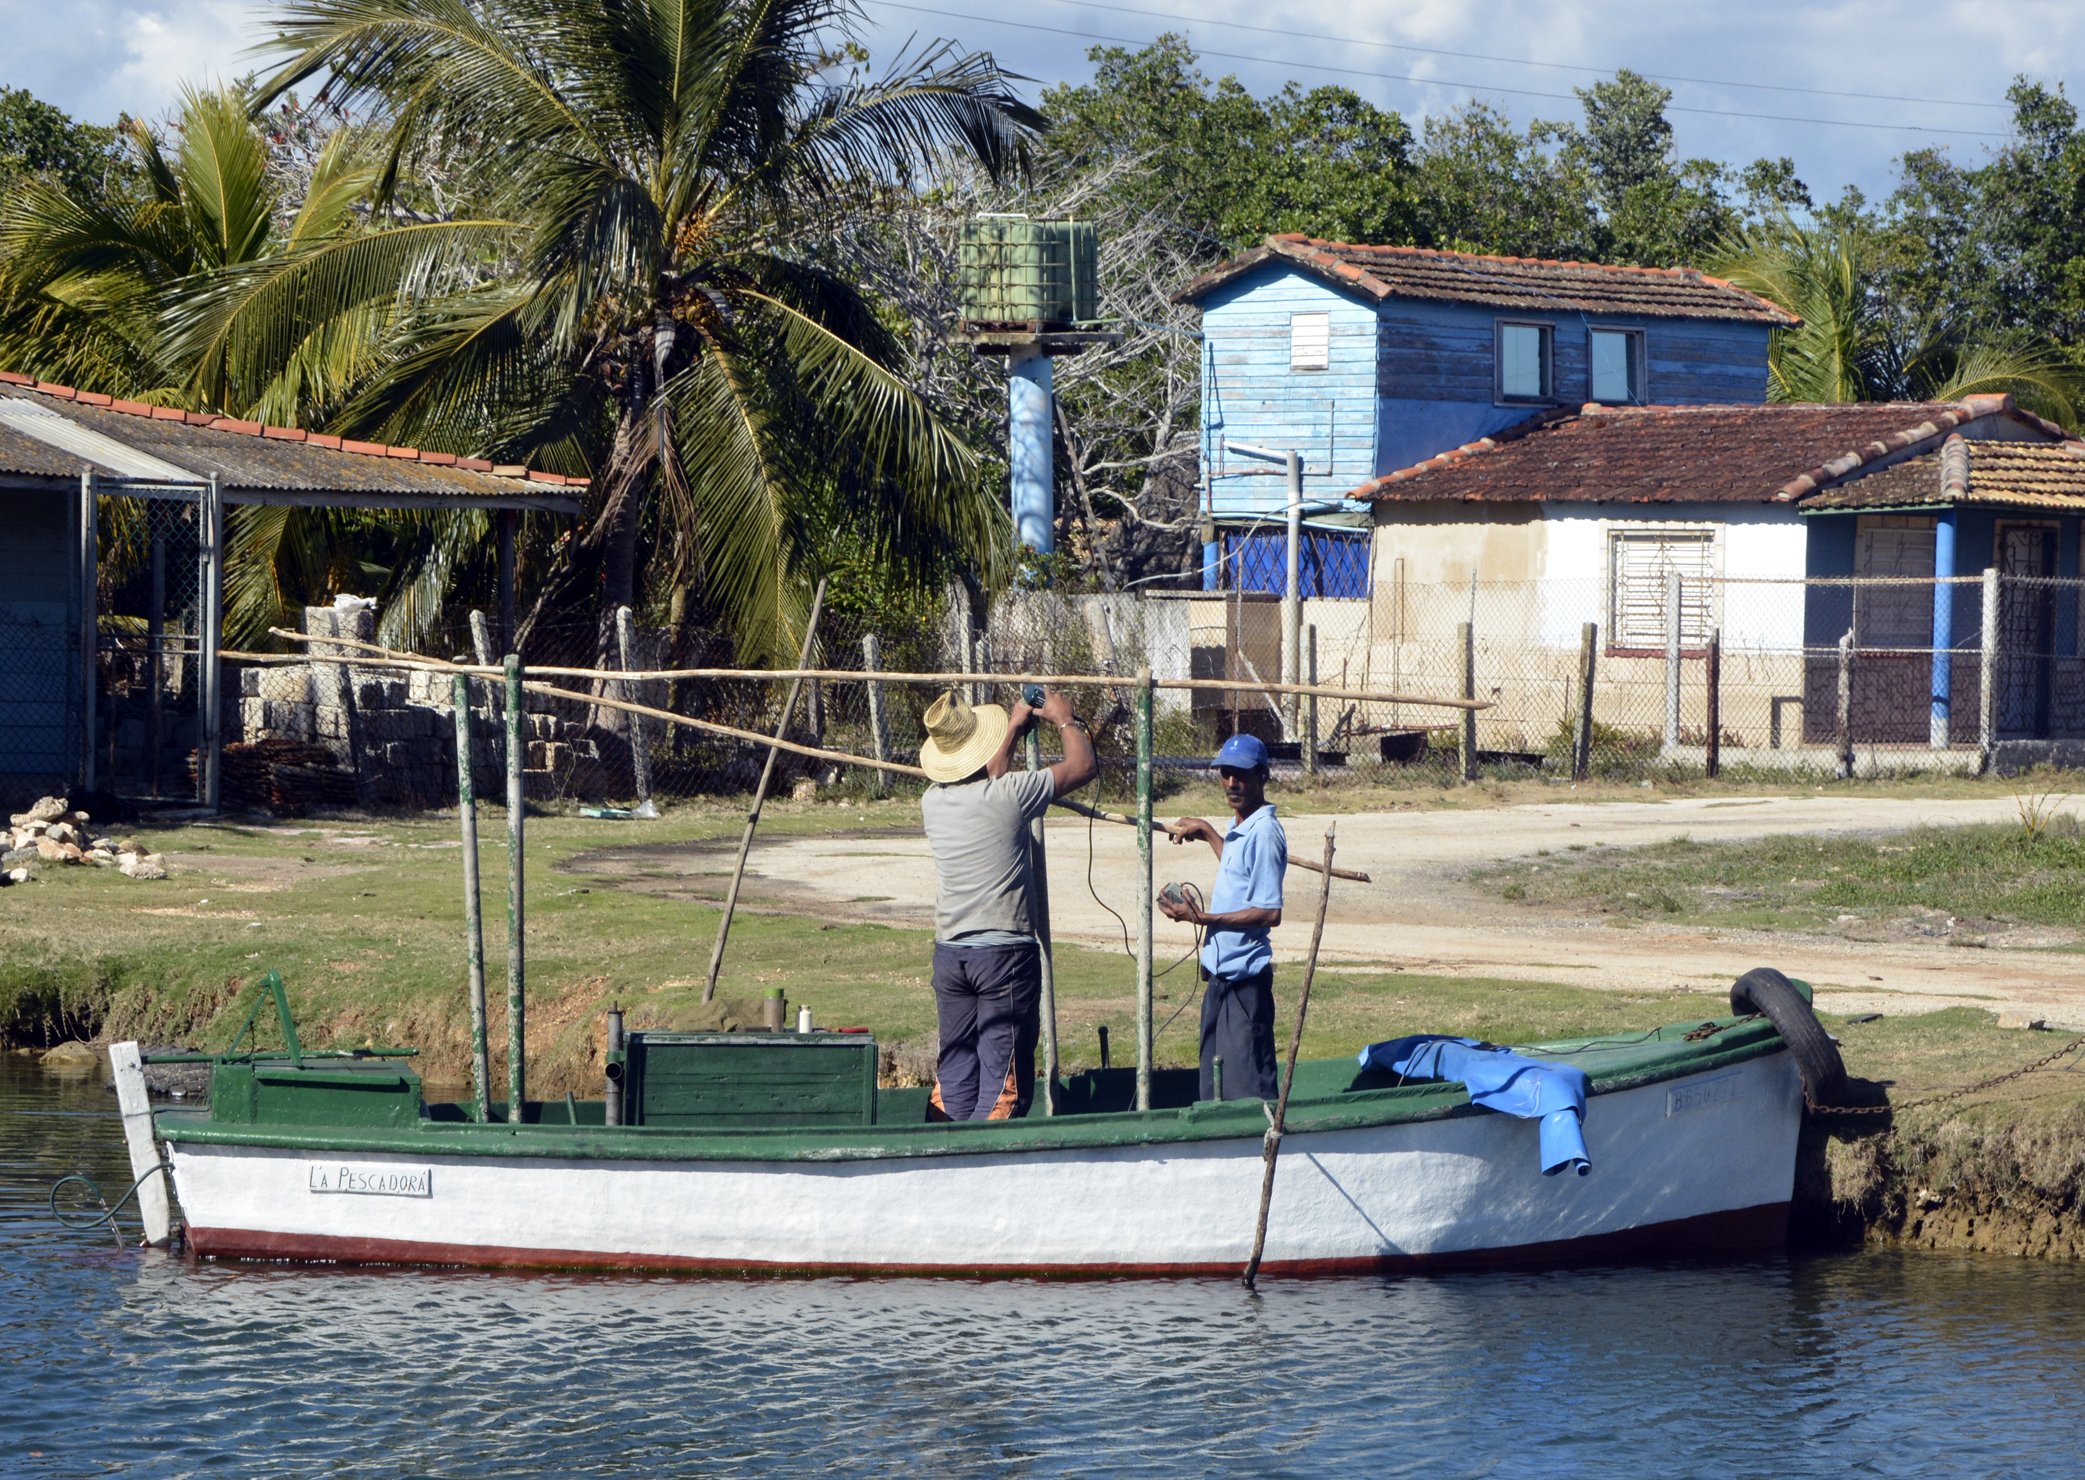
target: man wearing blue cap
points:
(1244, 904)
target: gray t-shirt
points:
(978, 831)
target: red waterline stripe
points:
(1741, 1231)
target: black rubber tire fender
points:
(1773, 996)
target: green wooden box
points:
(330, 1093)
(750, 1081)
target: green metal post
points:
(1143, 888)
(473, 924)
(1041, 905)
(517, 1099)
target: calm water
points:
(128, 1362)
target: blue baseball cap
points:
(1243, 751)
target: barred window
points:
(1638, 562)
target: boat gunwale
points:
(1736, 1041)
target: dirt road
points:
(1419, 914)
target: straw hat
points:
(960, 737)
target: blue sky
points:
(1943, 64)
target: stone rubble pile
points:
(52, 832)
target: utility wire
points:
(1480, 56)
(1379, 76)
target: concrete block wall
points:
(396, 732)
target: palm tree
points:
(655, 161)
(91, 284)
(1849, 347)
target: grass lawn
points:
(1982, 878)
(364, 919)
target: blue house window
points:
(1523, 355)
(1616, 357)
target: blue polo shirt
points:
(1248, 876)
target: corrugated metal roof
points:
(1529, 283)
(256, 464)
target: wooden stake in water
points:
(473, 924)
(1288, 1078)
(745, 843)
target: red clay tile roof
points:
(277, 460)
(1688, 454)
(1504, 282)
(2018, 475)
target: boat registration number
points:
(370, 1180)
(1701, 1093)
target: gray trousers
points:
(1238, 1027)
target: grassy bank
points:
(1968, 882)
(364, 919)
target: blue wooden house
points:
(1369, 359)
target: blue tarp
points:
(1499, 1079)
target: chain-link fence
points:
(1816, 677)
(149, 642)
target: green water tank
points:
(1015, 271)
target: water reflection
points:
(128, 1362)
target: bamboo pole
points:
(517, 811)
(1048, 680)
(767, 770)
(473, 922)
(1288, 1079)
(1100, 814)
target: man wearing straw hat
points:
(987, 966)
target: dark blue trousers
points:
(1238, 1027)
(987, 1000)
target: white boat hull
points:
(1704, 1161)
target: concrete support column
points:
(1943, 629)
(1028, 449)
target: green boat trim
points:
(377, 1109)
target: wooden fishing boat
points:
(756, 1154)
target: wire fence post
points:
(1039, 903)
(1987, 690)
(640, 743)
(1672, 663)
(879, 718)
(1310, 711)
(1466, 642)
(1582, 739)
(1715, 702)
(1845, 735)
(1143, 721)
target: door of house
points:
(2026, 625)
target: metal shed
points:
(79, 471)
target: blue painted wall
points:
(1249, 394)
(1409, 378)
(1436, 372)
(37, 624)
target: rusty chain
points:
(1948, 1096)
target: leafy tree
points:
(1486, 186)
(651, 159)
(39, 140)
(1849, 347)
